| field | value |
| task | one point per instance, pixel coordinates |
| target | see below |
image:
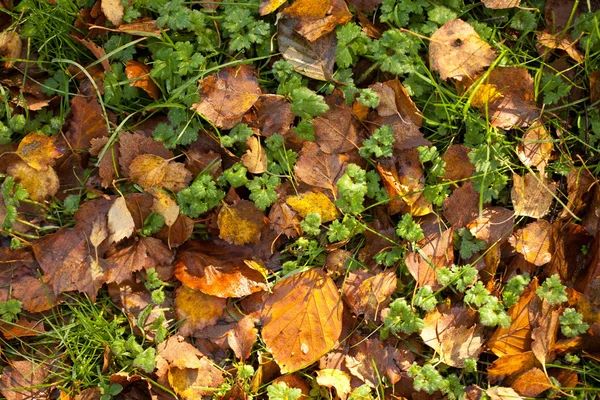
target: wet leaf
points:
(255, 158)
(120, 223)
(96, 50)
(312, 59)
(313, 202)
(39, 151)
(218, 268)
(39, 184)
(198, 309)
(535, 241)
(535, 148)
(302, 319)
(367, 294)
(139, 75)
(532, 195)
(454, 334)
(150, 171)
(227, 95)
(240, 223)
(456, 51)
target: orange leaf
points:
(535, 241)
(140, 75)
(437, 253)
(532, 383)
(302, 319)
(38, 151)
(510, 365)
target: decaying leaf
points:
(39, 184)
(39, 151)
(87, 123)
(308, 9)
(543, 318)
(510, 365)
(139, 75)
(316, 168)
(532, 196)
(456, 51)
(493, 225)
(240, 223)
(120, 222)
(458, 166)
(255, 158)
(462, 206)
(500, 4)
(562, 42)
(312, 59)
(10, 46)
(334, 378)
(218, 268)
(114, 11)
(367, 294)
(24, 380)
(535, 148)
(503, 393)
(150, 171)
(198, 309)
(435, 254)
(454, 334)
(182, 367)
(313, 202)
(269, 6)
(143, 253)
(132, 145)
(167, 207)
(302, 319)
(335, 131)
(227, 95)
(535, 241)
(313, 27)
(532, 383)
(242, 337)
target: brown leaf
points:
(562, 42)
(107, 169)
(39, 151)
(227, 95)
(494, 225)
(502, 393)
(143, 253)
(218, 268)
(242, 337)
(150, 171)
(120, 223)
(179, 233)
(535, 148)
(134, 144)
(456, 51)
(141, 27)
(543, 317)
(437, 253)
(182, 367)
(532, 196)
(579, 187)
(139, 74)
(313, 202)
(255, 158)
(302, 319)
(397, 102)
(510, 365)
(532, 383)
(21, 328)
(312, 59)
(96, 50)
(462, 206)
(273, 115)
(500, 4)
(24, 380)
(165, 206)
(86, 124)
(458, 165)
(535, 241)
(198, 309)
(335, 131)
(64, 258)
(39, 184)
(240, 223)
(566, 262)
(114, 11)
(284, 220)
(516, 338)
(11, 46)
(454, 334)
(318, 169)
(367, 294)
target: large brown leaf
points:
(132, 145)
(316, 168)
(143, 253)
(510, 365)
(218, 268)
(543, 317)
(335, 131)
(87, 123)
(367, 294)
(24, 380)
(302, 319)
(435, 254)
(493, 225)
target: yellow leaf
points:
(313, 202)
(148, 170)
(39, 184)
(268, 6)
(302, 319)
(38, 151)
(336, 379)
(198, 309)
(165, 206)
(255, 158)
(240, 223)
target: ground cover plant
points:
(311, 199)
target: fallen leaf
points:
(462, 206)
(366, 6)
(240, 223)
(334, 378)
(367, 294)
(510, 365)
(535, 148)
(516, 338)
(595, 88)
(560, 41)
(456, 51)
(150, 171)
(177, 234)
(21, 328)
(308, 8)
(313, 202)
(502, 393)
(284, 220)
(494, 224)
(500, 4)
(335, 131)
(273, 115)
(535, 241)
(302, 319)
(107, 166)
(242, 337)
(269, 6)
(182, 367)
(227, 95)
(96, 50)
(143, 253)
(396, 102)
(139, 75)
(22, 380)
(532, 383)
(255, 158)
(566, 262)
(316, 168)
(120, 223)
(11, 46)
(141, 27)
(312, 28)
(543, 318)
(165, 205)
(197, 309)
(312, 59)
(39, 184)
(579, 189)
(218, 268)
(437, 253)
(39, 151)
(86, 124)
(132, 145)
(454, 334)
(532, 196)
(114, 11)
